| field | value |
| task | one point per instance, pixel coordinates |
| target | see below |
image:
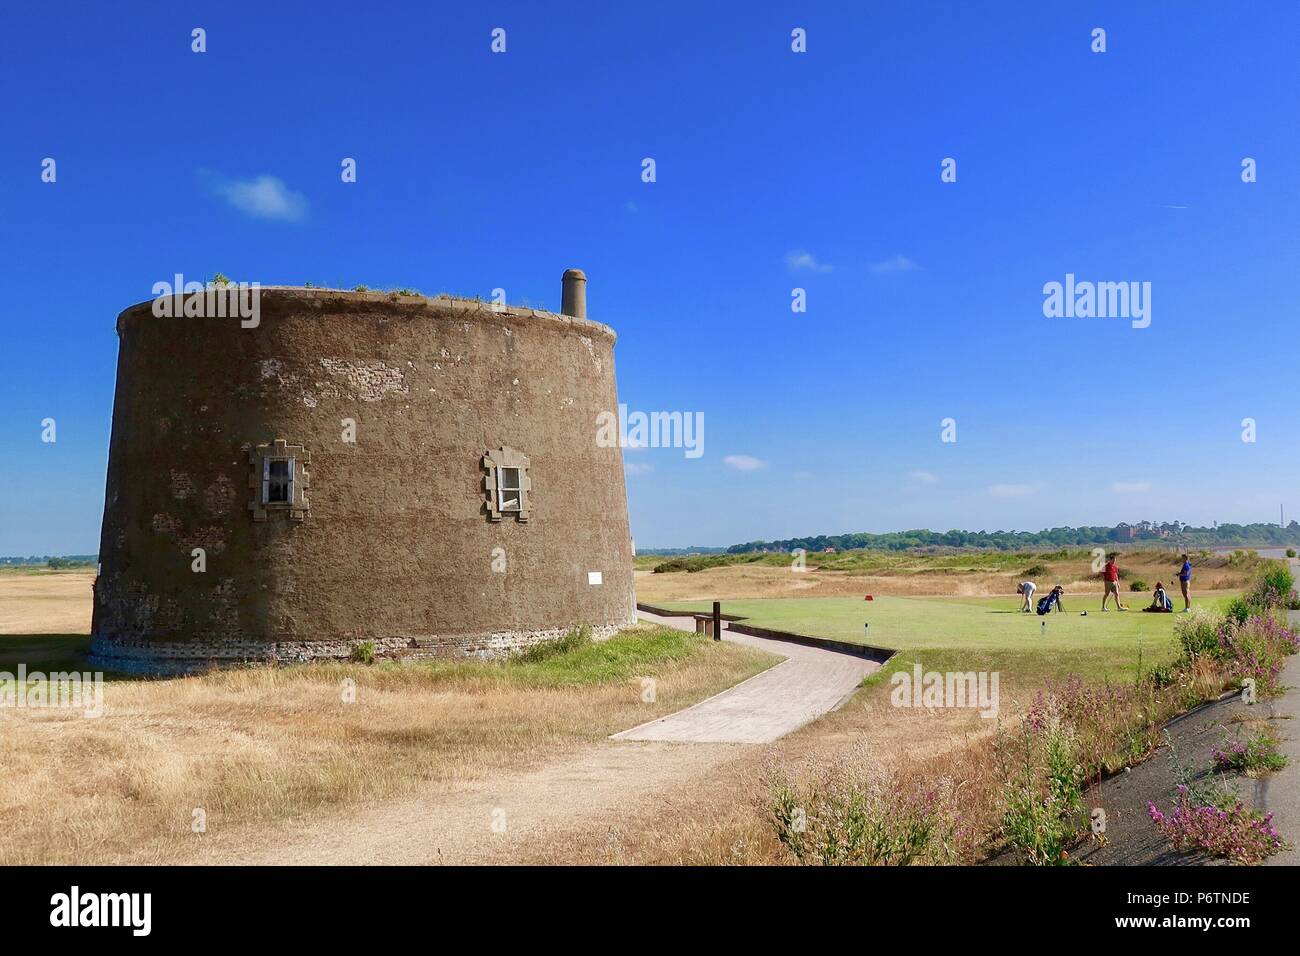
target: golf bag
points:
(1045, 605)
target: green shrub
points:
(1198, 633)
(1255, 648)
(1290, 552)
(1137, 584)
(1162, 675)
(1042, 819)
(1279, 577)
(363, 652)
(1037, 571)
(868, 820)
(1257, 651)
(691, 563)
(1272, 589)
(1254, 756)
(1238, 610)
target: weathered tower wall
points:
(396, 412)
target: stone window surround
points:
(506, 457)
(297, 508)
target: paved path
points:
(1279, 793)
(811, 681)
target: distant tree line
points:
(679, 552)
(50, 560)
(1172, 534)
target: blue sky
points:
(479, 170)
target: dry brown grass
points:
(45, 602)
(259, 745)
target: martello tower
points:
(420, 473)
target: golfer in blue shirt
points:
(1185, 580)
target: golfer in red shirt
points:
(1110, 575)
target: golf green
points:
(973, 633)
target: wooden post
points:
(717, 620)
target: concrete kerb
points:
(881, 655)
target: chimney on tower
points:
(573, 297)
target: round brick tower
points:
(423, 474)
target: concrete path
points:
(1279, 793)
(811, 681)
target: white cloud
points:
(898, 263)
(798, 259)
(744, 462)
(1130, 487)
(636, 467)
(928, 477)
(1010, 491)
(263, 197)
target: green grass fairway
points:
(979, 633)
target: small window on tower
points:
(507, 485)
(509, 491)
(277, 481)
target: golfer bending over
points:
(1027, 589)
